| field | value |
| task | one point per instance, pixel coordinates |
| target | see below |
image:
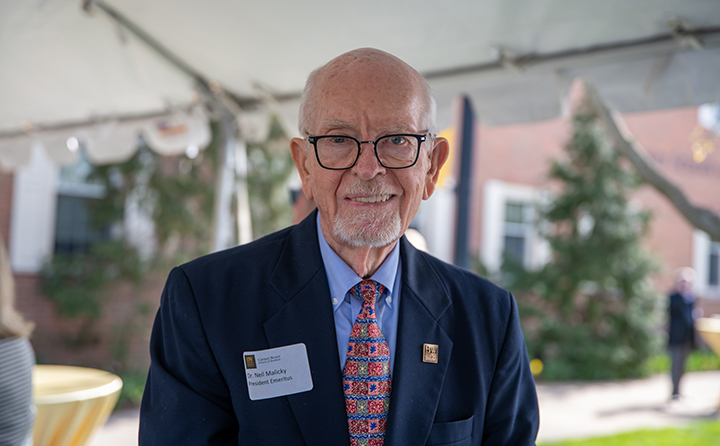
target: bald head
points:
(366, 68)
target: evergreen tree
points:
(589, 313)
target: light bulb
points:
(73, 144)
(192, 151)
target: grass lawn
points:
(698, 361)
(700, 433)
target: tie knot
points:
(368, 291)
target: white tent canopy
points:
(104, 70)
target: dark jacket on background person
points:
(682, 325)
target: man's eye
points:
(339, 140)
(397, 140)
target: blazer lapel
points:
(417, 385)
(307, 317)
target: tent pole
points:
(463, 186)
(244, 222)
(222, 226)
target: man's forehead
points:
(369, 80)
(356, 114)
(340, 125)
(368, 91)
(383, 104)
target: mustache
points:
(368, 187)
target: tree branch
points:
(624, 143)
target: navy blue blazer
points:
(274, 292)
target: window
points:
(706, 262)
(508, 229)
(517, 226)
(73, 226)
(714, 265)
(74, 231)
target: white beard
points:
(370, 228)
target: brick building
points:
(509, 175)
(511, 164)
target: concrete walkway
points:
(567, 410)
(584, 410)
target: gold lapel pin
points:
(430, 353)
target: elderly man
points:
(337, 331)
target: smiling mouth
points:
(372, 199)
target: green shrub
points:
(133, 388)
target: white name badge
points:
(277, 372)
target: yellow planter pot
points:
(71, 403)
(709, 330)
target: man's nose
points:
(367, 165)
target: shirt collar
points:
(341, 277)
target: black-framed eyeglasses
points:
(340, 152)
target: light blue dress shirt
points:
(346, 308)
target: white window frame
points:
(495, 195)
(701, 263)
(32, 227)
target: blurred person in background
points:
(681, 333)
(17, 413)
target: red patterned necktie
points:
(366, 377)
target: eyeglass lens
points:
(393, 151)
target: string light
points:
(73, 144)
(192, 151)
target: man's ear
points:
(440, 152)
(299, 153)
